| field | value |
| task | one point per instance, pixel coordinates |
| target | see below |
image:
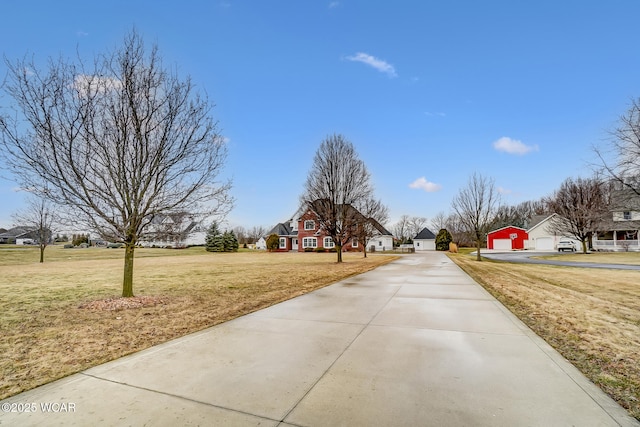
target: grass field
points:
(632, 258)
(64, 316)
(591, 316)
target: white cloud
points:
(86, 84)
(372, 61)
(513, 146)
(502, 190)
(430, 114)
(422, 184)
(334, 4)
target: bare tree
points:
(255, 233)
(621, 158)
(475, 205)
(374, 214)
(416, 224)
(119, 142)
(582, 206)
(38, 214)
(459, 232)
(518, 215)
(439, 221)
(241, 234)
(337, 182)
(401, 229)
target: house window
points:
(626, 215)
(328, 242)
(309, 225)
(380, 243)
(354, 242)
(283, 243)
(309, 242)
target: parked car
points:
(566, 245)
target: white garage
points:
(544, 244)
(424, 241)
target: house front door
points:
(294, 246)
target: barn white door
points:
(502, 244)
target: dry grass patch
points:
(64, 316)
(591, 316)
(632, 258)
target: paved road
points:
(525, 257)
(414, 343)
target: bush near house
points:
(273, 242)
(443, 238)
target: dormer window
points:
(309, 225)
(626, 215)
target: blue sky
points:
(427, 91)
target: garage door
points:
(544, 244)
(502, 244)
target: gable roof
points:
(383, 231)
(425, 234)
(505, 227)
(624, 200)
(539, 221)
(16, 232)
(282, 230)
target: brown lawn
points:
(632, 258)
(64, 316)
(591, 316)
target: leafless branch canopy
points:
(119, 144)
(38, 214)
(337, 182)
(582, 206)
(476, 205)
(621, 158)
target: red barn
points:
(507, 238)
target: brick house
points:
(303, 232)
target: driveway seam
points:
(177, 396)
(364, 326)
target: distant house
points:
(19, 235)
(303, 232)
(425, 240)
(261, 243)
(620, 232)
(540, 236)
(177, 230)
(507, 238)
(287, 236)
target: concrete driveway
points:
(526, 258)
(414, 343)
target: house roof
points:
(504, 228)
(383, 231)
(624, 200)
(351, 212)
(17, 232)
(282, 230)
(539, 220)
(425, 234)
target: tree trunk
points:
(42, 252)
(127, 282)
(339, 252)
(478, 244)
(584, 245)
